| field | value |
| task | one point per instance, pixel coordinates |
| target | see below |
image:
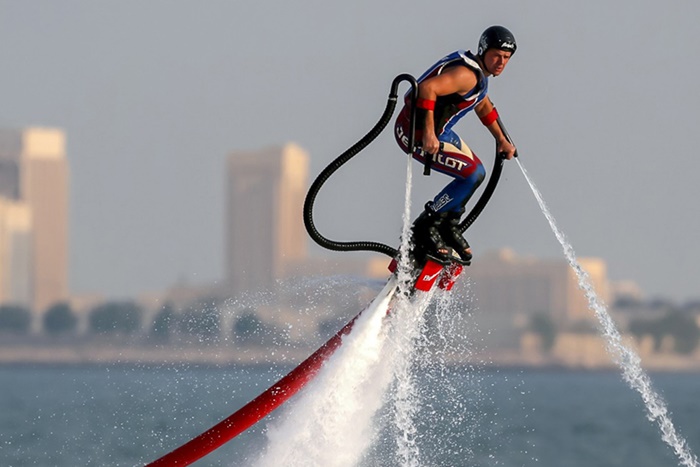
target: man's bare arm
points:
(458, 80)
(483, 109)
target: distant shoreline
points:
(91, 355)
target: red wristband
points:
(425, 104)
(490, 117)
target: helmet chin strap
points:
(483, 64)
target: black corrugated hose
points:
(346, 156)
(364, 142)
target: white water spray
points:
(404, 269)
(332, 421)
(625, 357)
(404, 333)
(407, 324)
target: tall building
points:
(264, 225)
(15, 253)
(34, 171)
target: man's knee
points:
(480, 174)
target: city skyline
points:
(265, 241)
(152, 115)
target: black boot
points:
(426, 234)
(450, 233)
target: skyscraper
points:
(264, 226)
(15, 253)
(34, 171)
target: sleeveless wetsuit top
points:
(449, 109)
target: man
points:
(447, 91)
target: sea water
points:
(128, 416)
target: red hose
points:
(256, 409)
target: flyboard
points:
(426, 272)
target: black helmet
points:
(496, 37)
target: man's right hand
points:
(431, 145)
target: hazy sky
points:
(601, 99)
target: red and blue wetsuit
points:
(455, 158)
